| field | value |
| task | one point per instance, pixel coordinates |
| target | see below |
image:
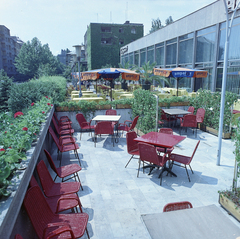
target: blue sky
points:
(63, 23)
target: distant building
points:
(63, 57)
(9, 49)
(103, 42)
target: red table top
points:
(160, 139)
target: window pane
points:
(186, 51)
(136, 58)
(150, 54)
(205, 47)
(131, 58)
(171, 54)
(142, 56)
(160, 56)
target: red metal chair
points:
(84, 125)
(50, 188)
(60, 203)
(189, 121)
(112, 112)
(165, 118)
(63, 130)
(132, 146)
(18, 236)
(149, 154)
(165, 131)
(104, 127)
(64, 144)
(125, 127)
(200, 115)
(64, 171)
(190, 109)
(183, 161)
(64, 120)
(48, 224)
(173, 206)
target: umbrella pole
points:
(96, 86)
(177, 84)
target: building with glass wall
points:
(194, 41)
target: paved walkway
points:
(115, 198)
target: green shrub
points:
(22, 95)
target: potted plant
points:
(146, 74)
(230, 199)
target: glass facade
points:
(202, 49)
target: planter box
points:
(229, 206)
(104, 107)
(213, 131)
(185, 103)
(120, 106)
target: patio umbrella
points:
(110, 74)
(179, 73)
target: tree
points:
(169, 20)
(5, 86)
(156, 24)
(35, 60)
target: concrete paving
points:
(115, 198)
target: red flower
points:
(18, 114)
(5, 132)
(48, 103)
(32, 104)
(43, 112)
(2, 149)
(51, 104)
(35, 133)
(46, 97)
(9, 147)
(49, 98)
(25, 128)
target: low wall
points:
(13, 217)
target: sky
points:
(63, 23)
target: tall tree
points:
(35, 59)
(169, 20)
(5, 86)
(156, 24)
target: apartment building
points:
(9, 49)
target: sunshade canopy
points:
(180, 72)
(110, 74)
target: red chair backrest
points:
(44, 176)
(104, 127)
(33, 182)
(81, 119)
(148, 153)
(200, 115)
(55, 125)
(134, 123)
(189, 121)
(173, 206)
(191, 109)
(17, 236)
(194, 151)
(166, 130)
(111, 112)
(163, 115)
(54, 136)
(50, 161)
(38, 209)
(131, 144)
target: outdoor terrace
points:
(115, 198)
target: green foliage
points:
(146, 73)
(17, 132)
(157, 24)
(35, 60)
(22, 95)
(5, 86)
(144, 105)
(211, 102)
